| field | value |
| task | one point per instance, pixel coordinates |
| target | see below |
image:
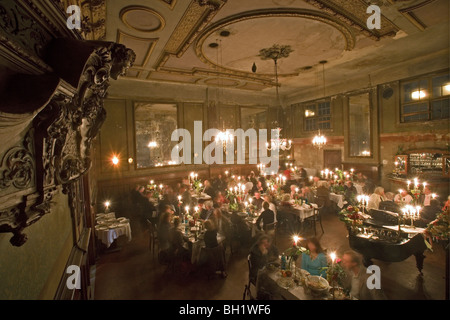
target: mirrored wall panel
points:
(360, 140)
(154, 124)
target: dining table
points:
(339, 199)
(270, 280)
(194, 239)
(304, 210)
(108, 228)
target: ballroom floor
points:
(132, 274)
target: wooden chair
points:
(247, 290)
(317, 216)
(153, 238)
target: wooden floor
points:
(133, 274)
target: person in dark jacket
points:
(261, 253)
(267, 217)
(215, 250)
(389, 204)
(428, 214)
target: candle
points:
(396, 163)
(310, 178)
(296, 238)
(250, 200)
(151, 181)
(179, 198)
(424, 185)
(246, 204)
(321, 173)
(333, 257)
(226, 173)
(186, 209)
(284, 180)
(296, 190)
(408, 183)
(433, 195)
(196, 209)
(160, 186)
(107, 204)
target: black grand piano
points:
(379, 238)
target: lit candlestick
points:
(226, 173)
(151, 182)
(424, 185)
(416, 183)
(107, 204)
(333, 257)
(196, 209)
(351, 170)
(186, 209)
(321, 174)
(296, 238)
(179, 198)
(284, 180)
(310, 178)
(250, 200)
(246, 204)
(160, 186)
(396, 163)
(433, 195)
(408, 183)
(296, 190)
(335, 177)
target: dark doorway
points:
(332, 159)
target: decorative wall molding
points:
(57, 119)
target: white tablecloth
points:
(110, 229)
(304, 211)
(339, 199)
(271, 282)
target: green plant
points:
(335, 274)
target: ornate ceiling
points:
(217, 42)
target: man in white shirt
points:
(403, 198)
(426, 197)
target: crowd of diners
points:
(166, 205)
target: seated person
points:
(403, 198)
(267, 217)
(375, 198)
(315, 260)
(261, 253)
(426, 197)
(176, 241)
(207, 210)
(388, 204)
(350, 192)
(355, 281)
(428, 214)
(307, 195)
(286, 214)
(221, 223)
(163, 232)
(258, 201)
(209, 190)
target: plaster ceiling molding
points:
(93, 20)
(353, 13)
(218, 82)
(173, 77)
(314, 36)
(143, 47)
(142, 19)
(170, 3)
(196, 17)
(425, 13)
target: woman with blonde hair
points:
(376, 197)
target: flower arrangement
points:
(197, 185)
(351, 216)
(335, 273)
(439, 229)
(292, 253)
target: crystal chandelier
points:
(275, 53)
(279, 144)
(224, 137)
(319, 141)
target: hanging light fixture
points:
(275, 53)
(224, 136)
(319, 140)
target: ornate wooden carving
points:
(55, 149)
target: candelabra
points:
(363, 200)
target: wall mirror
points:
(360, 131)
(154, 124)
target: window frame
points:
(429, 100)
(305, 106)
